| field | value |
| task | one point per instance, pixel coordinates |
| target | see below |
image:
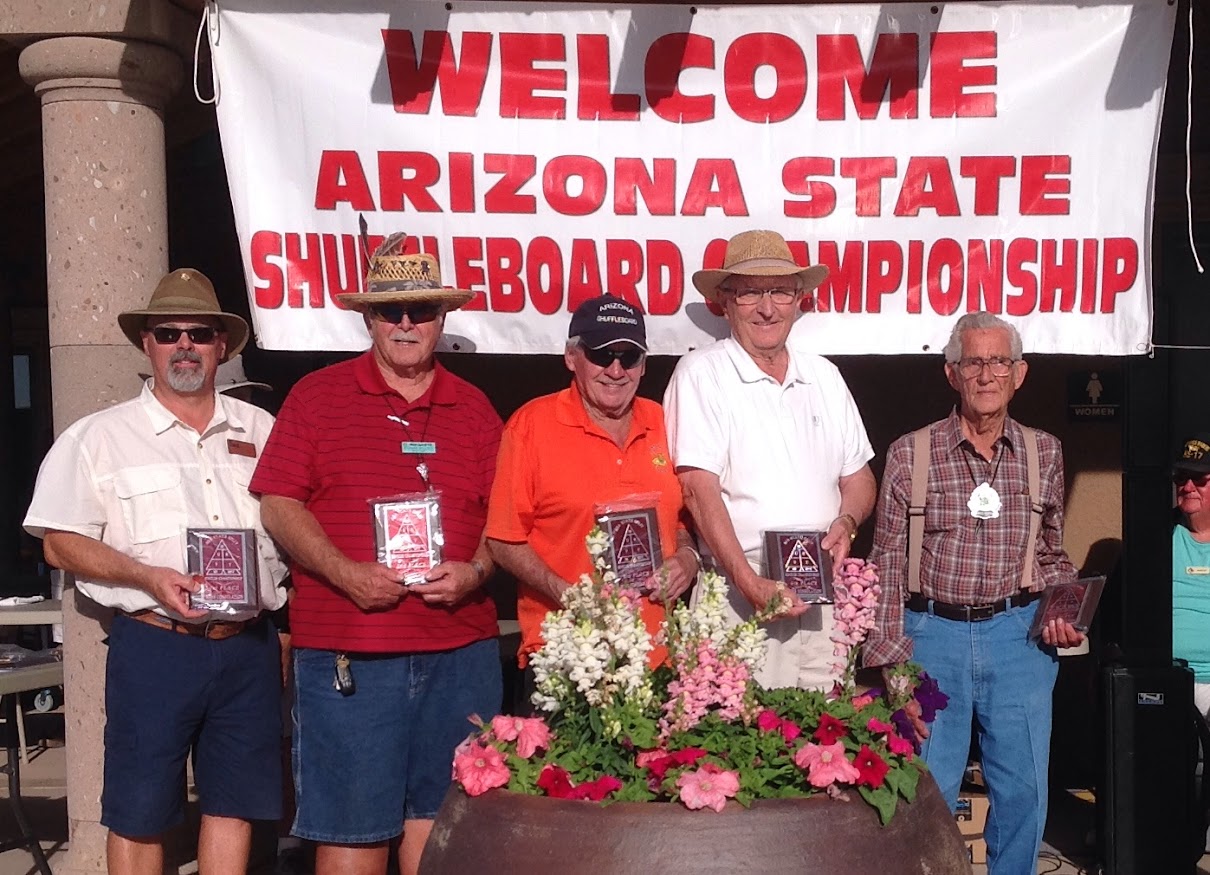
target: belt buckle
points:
(975, 613)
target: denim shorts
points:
(167, 694)
(365, 762)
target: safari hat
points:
(757, 253)
(185, 292)
(394, 278)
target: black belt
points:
(969, 613)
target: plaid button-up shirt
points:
(964, 561)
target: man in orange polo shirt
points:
(563, 455)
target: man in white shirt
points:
(114, 498)
(767, 437)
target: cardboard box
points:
(972, 817)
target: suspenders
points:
(922, 449)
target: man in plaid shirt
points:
(979, 580)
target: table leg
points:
(13, 769)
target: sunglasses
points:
(203, 335)
(1199, 480)
(417, 314)
(604, 358)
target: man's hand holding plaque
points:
(407, 534)
(797, 559)
(224, 565)
(1067, 604)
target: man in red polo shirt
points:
(385, 673)
(563, 455)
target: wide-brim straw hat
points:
(395, 278)
(757, 253)
(185, 292)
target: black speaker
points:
(1150, 818)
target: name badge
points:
(984, 502)
(241, 448)
(1197, 569)
(420, 448)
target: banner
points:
(939, 159)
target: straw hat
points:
(395, 278)
(185, 292)
(757, 253)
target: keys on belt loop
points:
(343, 680)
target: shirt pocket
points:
(944, 513)
(153, 506)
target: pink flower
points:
(480, 768)
(876, 725)
(644, 758)
(861, 701)
(826, 764)
(899, 745)
(707, 787)
(767, 720)
(790, 730)
(530, 733)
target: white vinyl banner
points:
(939, 159)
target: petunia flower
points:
(768, 720)
(480, 768)
(826, 764)
(597, 790)
(899, 745)
(790, 730)
(556, 781)
(830, 729)
(871, 766)
(876, 725)
(930, 697)
(707, 787)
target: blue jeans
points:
(364, 763)
(999, 679)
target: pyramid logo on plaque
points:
(222, 563)
(800, 560)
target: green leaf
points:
(883, 799)
(909, 780)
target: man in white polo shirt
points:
(768, 437)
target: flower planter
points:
(502, 833)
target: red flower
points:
(659, 766)
(790, 730)
(871, 766)
(767, 720)
(830, 730)
(595, 791)
(556, 782)
(687, 756)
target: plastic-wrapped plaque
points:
(224, 562)
(797, 558)
(633, 527)
(407, 533)
(1074, 601)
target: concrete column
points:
(107, 245)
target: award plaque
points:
(634, 551)
(1074, 601)
(224, 560)
(796, 559)
(407, 534)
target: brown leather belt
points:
(214, 630)
(969, 613)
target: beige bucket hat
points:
(757, 253)
(185, 292)
(394, 278)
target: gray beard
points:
(185, 381)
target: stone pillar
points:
(107, 246)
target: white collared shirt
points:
(135, 477)
(779, 450)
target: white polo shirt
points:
(135, 477)
(779, 450)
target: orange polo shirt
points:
(555, 465)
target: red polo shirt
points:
(333, 448)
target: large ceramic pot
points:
(502, 833)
